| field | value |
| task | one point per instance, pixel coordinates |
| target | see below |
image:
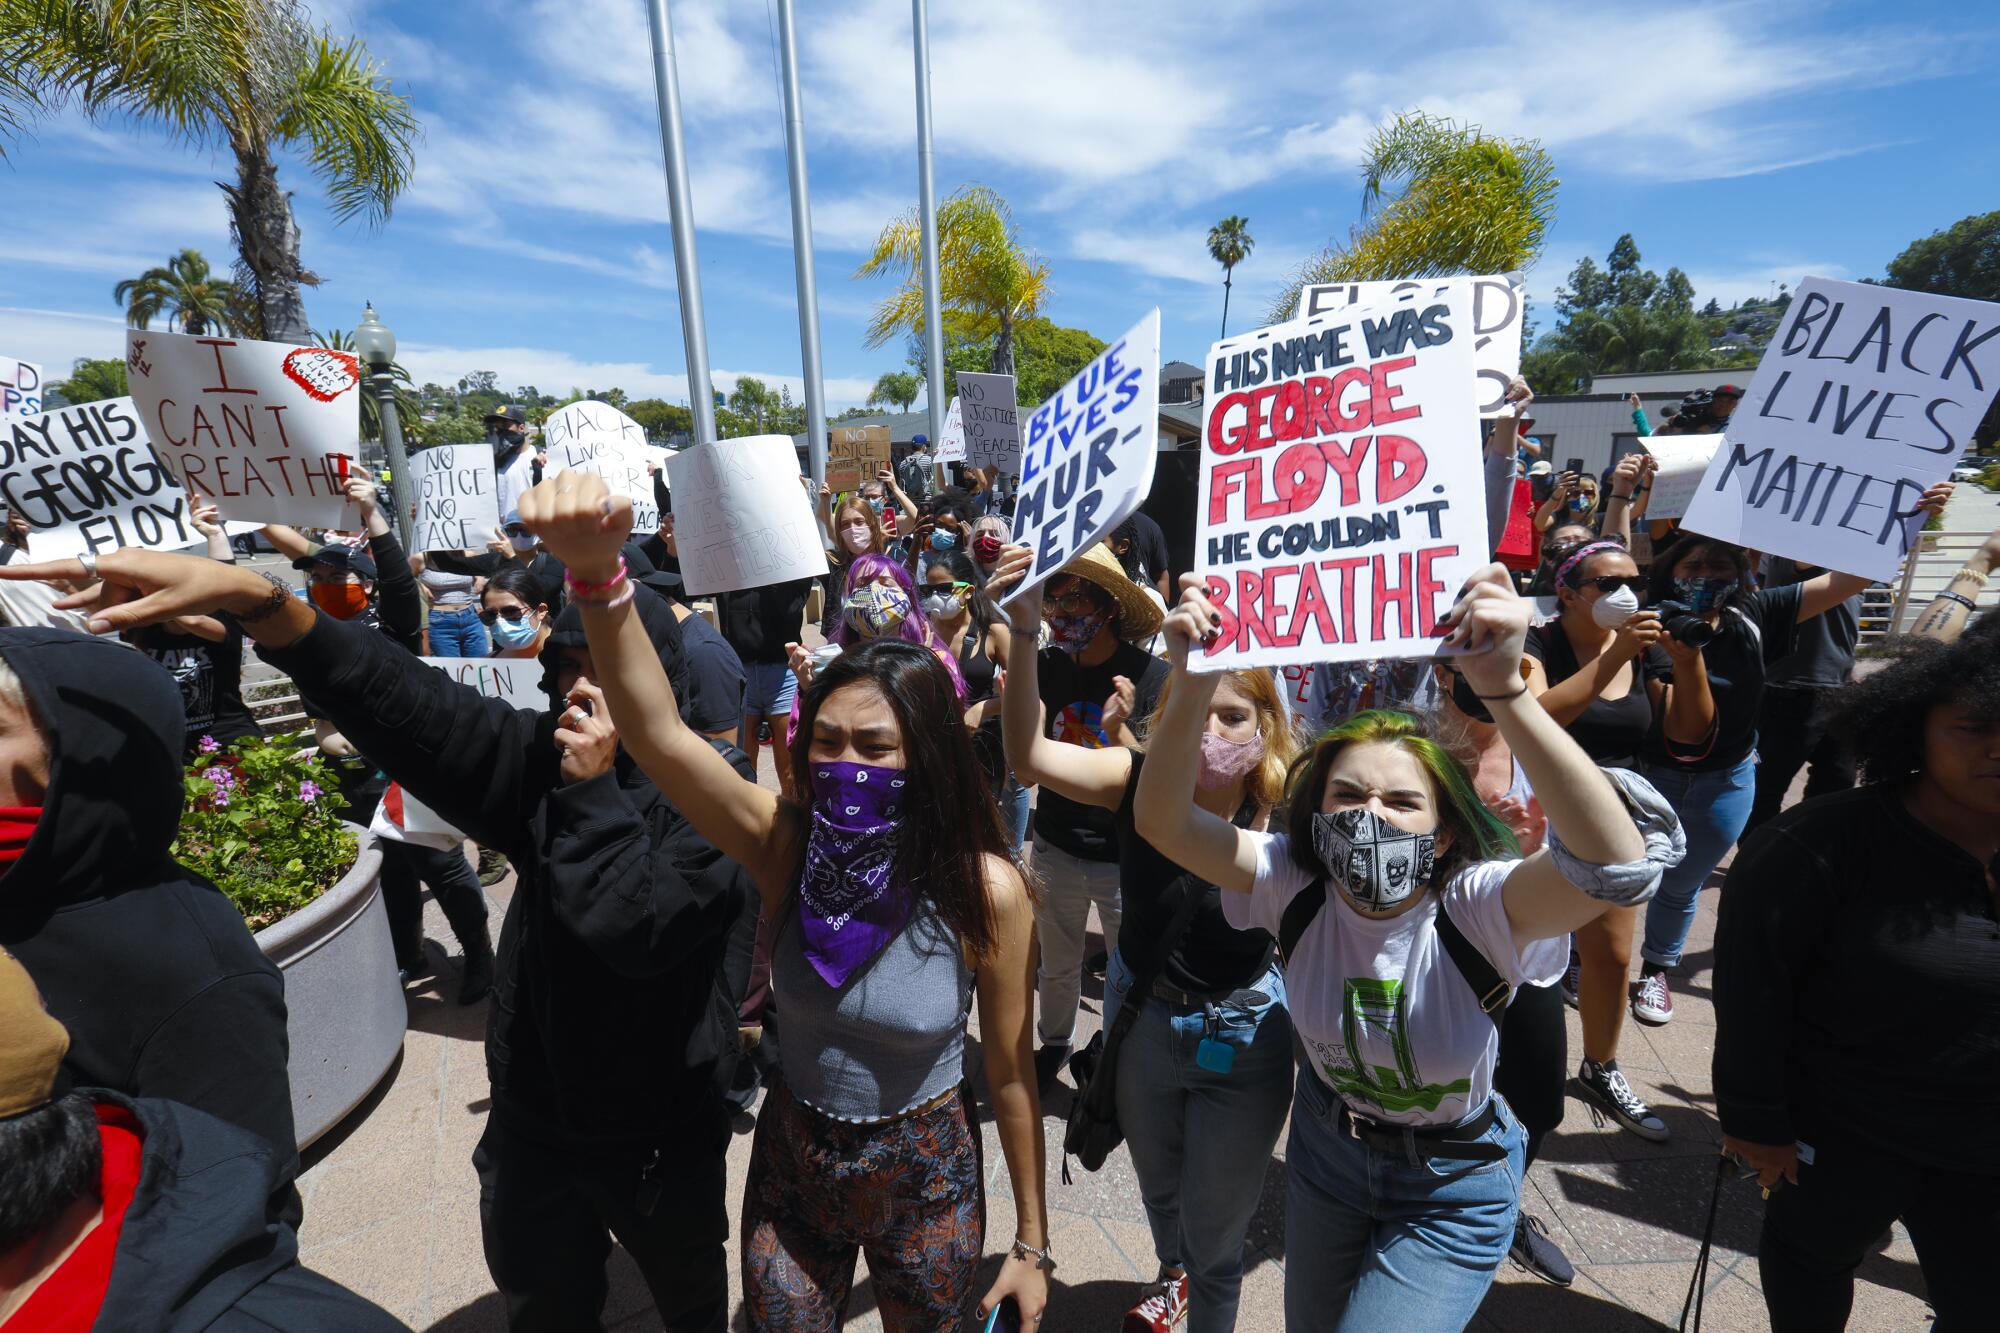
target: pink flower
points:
(221, 777)
(208, 745)
(310, 792)
(220, 800)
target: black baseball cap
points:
(339, 555)
(1728, 391)
(513, 412)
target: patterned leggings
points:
(909, 1194)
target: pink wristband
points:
(600, 594)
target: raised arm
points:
(286, 541)
(1823, 592)
(1618, 507)
(1951, 610)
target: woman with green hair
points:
(1404, 1165)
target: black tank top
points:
(975, 665)
(1611, 731)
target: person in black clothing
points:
(715, 672)
(613, 1028)
(1857, 999)
(1142, 549)
(1795, 687)
(761, 624)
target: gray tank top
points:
(448, 591)
(890, 1039)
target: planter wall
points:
(342, 995)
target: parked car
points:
(252, 543)
(1964, 472)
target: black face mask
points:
(1465, 701)
(504, 443)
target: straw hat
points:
(1139, 616)
(32, 1044)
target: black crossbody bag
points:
(1488, 986)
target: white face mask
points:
(941, 605)
(1615, 608)
(856, 536)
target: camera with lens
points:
(1697, 413)
(1679, 620)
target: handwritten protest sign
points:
(268, 430)
(1341, 501)
(854, 454)
(596, 437)
(1866, 396)
(85, 479)
(1684, 460)
(1087, 456)
(1499, 307)
(992, 422)
(20, 388)
(458, 505)
(517, 681)
(951, 444)
(741, 515)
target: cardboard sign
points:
(854, 454)
(992, 422)
(267, 430)
(1684, 460)
(458, 504)
(742, 518)
(951, 445)
(20, 388)
(1342, 501)
(1499, 306)
(516, 680)
(85, 478)
(1866, 397)
(1087, 455)
(595, 437)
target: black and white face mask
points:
(1378, 864)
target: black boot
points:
(477, 978)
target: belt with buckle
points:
(1462, 1142)
(1248, 999)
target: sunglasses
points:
(1613, 582)
(954, 586)
(512, 613)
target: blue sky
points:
(1746, 143)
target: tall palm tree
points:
(1229, 244)
(409, 408)
(985, 274)
(183, 291)
(253, 75)
(896, 388)
(1468, 203)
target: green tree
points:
(409, 408)
(1619, 318)
(1229, 244)
(446, 428)
(896, 388)
(252, 75)
(985, 274)
(1961, 260)
(92, 381)
(1464, 202)
(659, 418)
(1046, 355)
(753, 400)
(183, 291)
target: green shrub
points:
(1990, 478)
(264, 825)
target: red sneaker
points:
(1162, 1308)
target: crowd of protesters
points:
(1361, 914)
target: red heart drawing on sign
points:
(322, 372)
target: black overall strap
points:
(1488, 986)
(1299, 914)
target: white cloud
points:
(57, 338)
(557, 372)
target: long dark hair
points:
(948, 831)
(518, 583)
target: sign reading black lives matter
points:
(1865, 398)
(992, 421)
(1341, 502)
(458, 505)
(1087, 453)
(1498, 310)
(589, 436)
(85, 478)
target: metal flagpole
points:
(802, 245)
(927, 209)
(680, 216)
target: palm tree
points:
(1229, 244)
(752, 398)
(250, 74)
(985, 274)
(896, 388)
(1469, 203)
(187, 295)
(409, 408)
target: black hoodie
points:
(613, 1021)
(149, 966)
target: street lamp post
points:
(377, 347)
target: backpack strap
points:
(1488, 986)
(1299, 913)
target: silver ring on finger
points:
(88, 560)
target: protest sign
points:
(458, 505)
(85, 479)
(594, 437)
(1499, 307)
(20, 388)
(951, 444)
(1866, 396)
(1088, 452)
(1683, 460)
(1341, 501)
(854, 454)
(992, 422)
(517, 681)
(267, 430)
(742, 518)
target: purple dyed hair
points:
(916, 627)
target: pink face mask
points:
(1225, 762)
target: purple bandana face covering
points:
(850, 905)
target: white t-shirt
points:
(1389, 1022)
(515, 480)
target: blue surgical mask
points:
(515, 633)
(941, 540)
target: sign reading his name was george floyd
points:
(1087, 453)
(1683, 460)
(1866, 396)
(458, 505)
(1499, 304)
(854, 454)
(85, 478)
(1341, 501)
(951, 442)
(266, 430)
(594, 437)
(742, 518)
(20, 388)
(992, 422)
(517, 681)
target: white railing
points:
(1928, 569)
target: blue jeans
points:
(456, 632)
(1014, 810)
(1200, 1140)
(1378, 1243)
(1713, 808)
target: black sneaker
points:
(1049, 1061)
(1097, 964)
(1533, 1250)
(1606, 1092)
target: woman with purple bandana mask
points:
(891, 909)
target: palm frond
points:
(355, 129)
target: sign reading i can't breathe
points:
(1341, 500)
(1866, 397)
(1498, 306)
(1087, 453)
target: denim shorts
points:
(768, 689)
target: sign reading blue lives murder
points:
(1087, 453)
(1865, 398)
